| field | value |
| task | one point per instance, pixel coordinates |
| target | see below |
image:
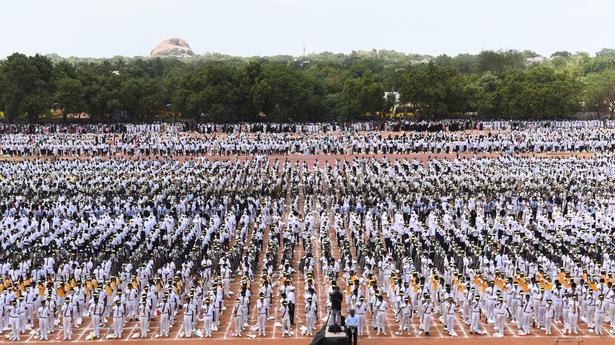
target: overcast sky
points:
(105, 28)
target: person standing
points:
(165, 311)
(573, 315)
(599, 314)
(475, 316)
(21, 306)
(610, 300)
(286, 327)
(67, 318)
(209, 317)
(96, 310)
(548, 317)
(43, 325)
(291, 304)
(144, 316)
(310, 315)
(500, 317)
(381, 312)
(336, 305)
(261, 307)
(14, 321)
(132, 302)
(406, 314)
(426, 309)
(526, 315)
(361, 310)
(352, 323)
(51, 304)
(238, 317)
(118, 319)
(188, 314)
(449, 317)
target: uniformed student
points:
(285, 314)
(261, 309)
(381, 312)
(426, 310)
(14, 320)
(67, 319)
(165, 312)
(475, 311)
(43, 322)
(406, 315)
(361, 311)
(144, 317)
(118, 319)
(310, 315)
(188, 317)
(208, 317)
(97, 309)
(599, 314)
(573, 315)
(449, 316)
(500, 317)
(526, 315)
(548, 317)
(238, 317)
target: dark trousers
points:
(336, 314)
(291, 310)
(351, 335)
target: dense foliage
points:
(319, 87)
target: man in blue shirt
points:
(352, 322)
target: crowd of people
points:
(144, 140)
(507, 243)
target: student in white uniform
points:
(43, 324)
(13, 313)
(118, 319)
(165, 314)
(261, 309)
(144, 317)
(97, 310)
(208, 311)
(67, 318)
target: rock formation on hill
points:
(176, 47)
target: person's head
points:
(351, 312)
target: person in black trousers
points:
(352, 322)
(336, 305)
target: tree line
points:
(317, 87)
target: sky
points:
(106, 28)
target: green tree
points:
(501, 61)
(69, 96)
(600, 92)
(488, 100)
(363, 95)
(435, 91)
(25, 86)
(540, 92)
